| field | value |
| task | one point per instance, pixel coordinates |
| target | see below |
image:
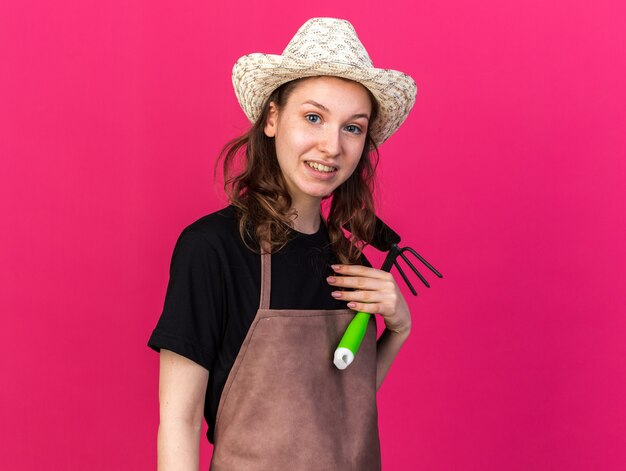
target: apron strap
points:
(266, 275)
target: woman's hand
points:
(376, 293)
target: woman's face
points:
(319, 135)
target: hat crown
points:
(328, 40)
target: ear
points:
(270, 122)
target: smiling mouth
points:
(321, 168)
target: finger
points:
(360, 296)
(360, 270)
(370, 308)
(362, 283)
(357, 282)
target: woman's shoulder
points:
(222, 219)
(214, 228)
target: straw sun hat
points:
(325, 46)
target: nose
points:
(330, 142)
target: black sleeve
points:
(191, 321)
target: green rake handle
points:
(351, 340)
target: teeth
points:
(320, 167)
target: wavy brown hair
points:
(255, 185)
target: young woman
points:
(261, 292)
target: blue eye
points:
(312, 118)
(353, 129)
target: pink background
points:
(507, 176)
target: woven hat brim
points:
(256, 76)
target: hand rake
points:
(385, 240)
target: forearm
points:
(387, 347)
(179, 446)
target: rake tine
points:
(433, 269)
(408, 262)
(406, 280)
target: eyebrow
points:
(322, 107)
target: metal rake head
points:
(386, 240)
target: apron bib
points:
(286, 406)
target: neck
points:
(308, 217)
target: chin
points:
(319, 193)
